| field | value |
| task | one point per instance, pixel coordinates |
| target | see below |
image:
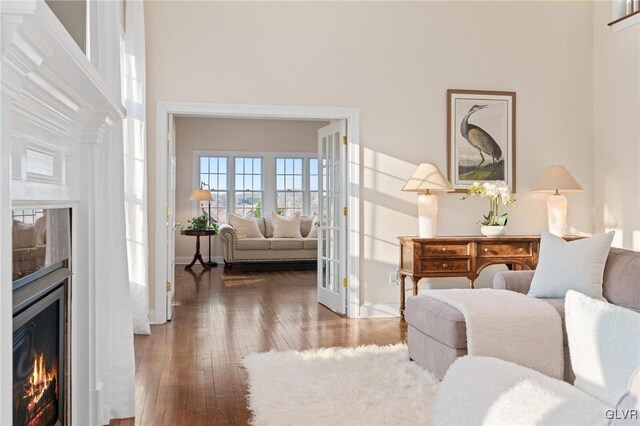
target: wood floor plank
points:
(188, 371)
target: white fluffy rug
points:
(367, 385)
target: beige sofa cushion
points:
(313, 232)
(438, 320)
(603, 342)
(286, 226)
(262, 226)
(446, 324)
(268, 227)
(558, 304)
(310, 243)
(253, 244)
(620, 284)
(306, 223)
(286, 243)
(587, 257)
(246, 226)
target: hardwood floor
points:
(188, 372)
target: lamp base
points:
(427, 215)
(211, 264)
(557, 214)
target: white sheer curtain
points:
(135, 172)
(115, 362)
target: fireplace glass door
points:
(41, 242)
(38, 362)
(41, 288)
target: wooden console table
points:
(462, 257)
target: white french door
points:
(171, 216)
(332, 215)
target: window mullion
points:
(231, 183)
(306, 199)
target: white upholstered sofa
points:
(268, 249)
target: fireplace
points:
(40, 327)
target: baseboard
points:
(380, 310)
(187, 260)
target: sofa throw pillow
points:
(313, 233)
(570, 265)
(604, 342)
(286, 226)
(305, 225)
(246, 226)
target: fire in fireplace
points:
(36, 357)
(42, 387)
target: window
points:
(289, 188)
(213, 175)
(248, 185)
(257, 182)
(313, 186)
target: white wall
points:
(395, 62)
(216, 134)
(616, 114)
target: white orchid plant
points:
(498, 194)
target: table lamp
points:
(204, 195)
(557, 179)
(427, 179)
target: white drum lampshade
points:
(557, 179)
(425, 180)
(200, 195)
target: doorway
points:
(339, 261)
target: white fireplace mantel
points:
(57, 106)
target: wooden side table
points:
(197, 233)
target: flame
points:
(39, 381)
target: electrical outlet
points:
(393, 278)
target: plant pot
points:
(493, 231)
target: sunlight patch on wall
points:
(635, 242)
(618, 238)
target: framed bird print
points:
(481, 137)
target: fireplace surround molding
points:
(57, 106)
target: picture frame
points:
(481, 137)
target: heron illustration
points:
(479, 138)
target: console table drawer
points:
(511, 249)
(445, 249)
(445, 265)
